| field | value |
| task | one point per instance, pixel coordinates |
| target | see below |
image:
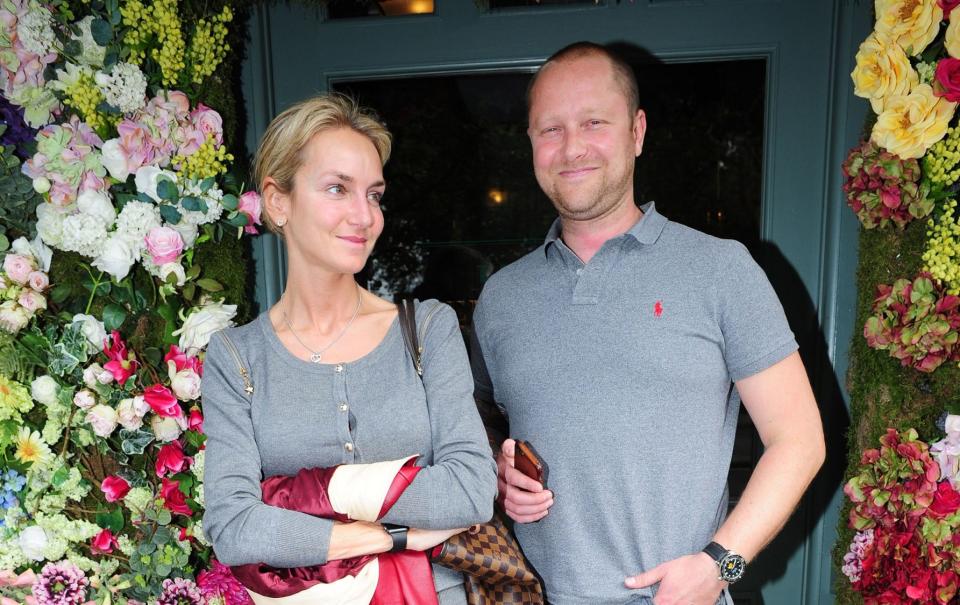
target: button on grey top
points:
(293, 421)
(621, 379)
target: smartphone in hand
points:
(527, 461)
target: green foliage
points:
(19, 200)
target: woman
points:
(330, 382)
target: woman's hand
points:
(425, 539)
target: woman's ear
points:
(275, 202)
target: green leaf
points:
(189, 290)
(153, 356)
(205, 184)
(230, 202)
(60, 293)
(4, 242)
(194, 271)
(134, 442)
(72, 48)
(8, 430)
(164, 517)
(107, 108)
(113, 317)
(170, 213)
(167, 190)
(194, 203)
(112, 520)
(194, 439)
(62, 474)
(147, 548)
(238, 220)
(163, 570)
(210, 285)
(101, 31)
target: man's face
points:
(585, 137)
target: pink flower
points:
(208, 122)
(164, 244)
(162, 401)
(185, 384)
(18, 268)
(171, 459)
(196, 421)
(84, 399)
(218, 581)
(38, 280)
(183, 362)
(9, 578)
(174, 499)
(947, 6)
(947, 79)
(32, 301)
(122, 364)
(105, 542)
(250, 204)
(114, 488)
(191, 138)
(61, 583)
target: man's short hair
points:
(622, 72)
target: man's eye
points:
(595, 123)
(550, 130)
(375, 196)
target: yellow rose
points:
(952, 39)
(913, 24)
(911, 123)
(883, 71)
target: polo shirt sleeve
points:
(755, 331)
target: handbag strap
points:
(407, 316)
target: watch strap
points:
(715, 551)
(398, 533)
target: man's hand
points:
(689, 580)
(524, 499)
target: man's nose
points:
(574, 146)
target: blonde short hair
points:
(280, 153)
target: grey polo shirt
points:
(619, 372)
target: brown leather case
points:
(527, 461)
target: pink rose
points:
(84, 399)
(175, 100)
(104, 542)
(114, 488)
(32, 301)
(250, 204)
(947, 79)
(185, 384)
(208, 122)
(191, 138)
(102, 419)
(173, 498)
(38, 280)
(171, 459)
(195, 422)
(164, 245)
(18, 267)
(162, 401)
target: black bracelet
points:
(398, 533)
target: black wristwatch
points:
(399, 535)
(730, 563)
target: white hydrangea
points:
(212, 198)
(127, 546)
(197, 468)
(35, 32)
(138, 499)
(92, 53)
(199, 535)
(137, 219)
(11, 557)
(83, 233)
(125, 87)
(62, 531)
(50, 224)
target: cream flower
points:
(913, 24)
(883, 71)
(30, 448)
(952, 38)
(910, 124)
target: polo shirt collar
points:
(646, 231)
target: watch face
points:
(732, 567)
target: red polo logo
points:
(657, 309)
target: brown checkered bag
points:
(494, 569)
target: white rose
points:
(97, 203)
(13, 317)
(165, 429)
(50, 224)
(84, 399)
(115, 160)
(127, 415)
(118, 255)
(41, 184)
(185, 384)
(32, 541)
(92, 329)
(201, 324)
(187, 231)
(95, 374)
(103, 419)
(148, 177)
(167, 269)
(44, 389)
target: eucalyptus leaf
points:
(189, 290)
(230, 202)
(101, 31)
(238, 220)
(170, 214)
(4, 243)
(207, 183)
(167, 190)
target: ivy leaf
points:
(61, 360)
(113, 317)
(210, 285)
(169, 213)
(101, 31)
(134, 442)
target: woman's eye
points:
(336, 189)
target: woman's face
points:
(333, 213)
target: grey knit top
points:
(303, 415)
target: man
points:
(613, 349)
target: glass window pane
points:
(498, 4)
(350, 9)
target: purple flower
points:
(18, 134)
(60, 584)
(853, 560)
(218, 581)
(180, 591)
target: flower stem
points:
(93, 292)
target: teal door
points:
(804, 236)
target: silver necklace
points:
(317, 356)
